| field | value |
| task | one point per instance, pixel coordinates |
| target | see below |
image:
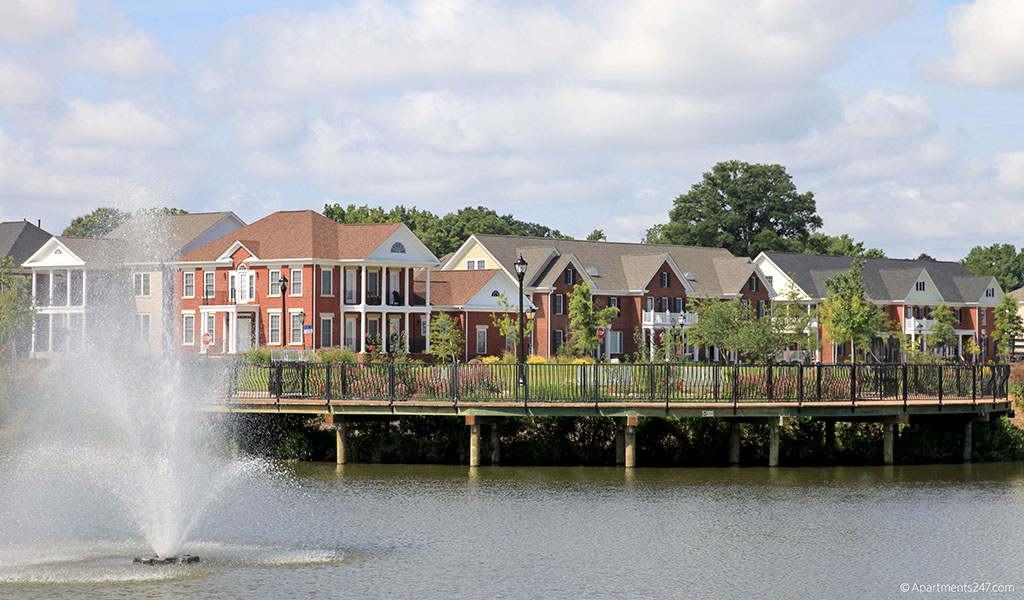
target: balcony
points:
(668, 319)
(910, 326)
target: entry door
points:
(350, 334)
(244, 340)
(393, 330)
(393, 291)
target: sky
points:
(903, 117)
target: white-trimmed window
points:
(761, 308)
(142, 327)
(677, 305)
(471, 265)
(188, 330)
(141, 284)
(188, 285)
(570, 277)
(984, 316)
(209, 284)
(211, 325)
(481, 339)
(295, 333)
(296, 283)
(919, 286)
(769, 278)
(613, 301)
(326, 332)
(274, 328)
(424, 326)
(327, 282)
(559, 304)
(990, 293)
(650, 304)
(558, 339)
(752, 284)
(664, 279)
(275, 282)
(614, 342)
(373, 283)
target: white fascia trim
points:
(789, 279)
(226, 255)
(461, 252)
(553, 252)
(764, 281)
(206, 264)
(679, 273)
(45, 249)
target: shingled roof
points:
(452, 288)
(172, 232)
(886, 279)
(20, 240)
(299, 234)
(620, 265)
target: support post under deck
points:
(495, 443)
(967, 442)
(474, 441)
(630, 441)
(620, 440)
(887, 443)
(734, 443)
(773, 446)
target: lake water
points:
(369, 531)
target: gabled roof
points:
(95, 252)
(154, 237)
(20, 240)
(886, 279)
(299, 234)
(452, 288)
(620, 266)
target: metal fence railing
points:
(603, 383)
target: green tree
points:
(925, 256)
(942, 334)
(797, 320)
(719, 323)
(745, 208)
(653, 235)
(597, 235)
(98, 223)
(446, 341)
(15, 309)
(1002, 261)
(441, 234)
(1008, 325)
(506, 321)
(584, 320)
(842, 245)
(849, 314)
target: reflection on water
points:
(444, 531)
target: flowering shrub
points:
(536, 360)
(491, 360)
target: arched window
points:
(398, 248)
(496, 293)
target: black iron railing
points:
(669, 383)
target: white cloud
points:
(125, 52)
(986, 41)
(28, 21)
(119, 123)
(1009, 168)
(20, 85)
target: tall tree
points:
(15, 310)
(1008, 325)
(506, 321)
(849, 314)
(843, 245)
(719, 323)
(446, 341)
(999, 260)
(925, 256)
(98, 223)
(584, 320)
(597, 235)
(942, 334)
(745, 208)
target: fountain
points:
(103, 438)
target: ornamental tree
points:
(446, 341)
(1008, 325)
(584, 320)
(506, 321)
(848, 312)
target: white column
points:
(428, 286)
(49, 300)
(67, 287)
(408, 333)
(362, 323)
(959, 345)
(427, 317)
(362, 300)
(233, 339)
(35, 302)
(49, 330)
(651, 331)
(85, 289)
(408, 284)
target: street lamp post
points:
(302, 318)
(283, 282)
(520, 273)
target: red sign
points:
(207, 339)
(600, 332)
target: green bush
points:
(336, 355)
(259, 355)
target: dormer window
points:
(398, 248)
(919, 286)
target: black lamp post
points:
(302, 318)
(283, 281)
(520, 273)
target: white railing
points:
(669, 319)
(910, 326)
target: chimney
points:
(39, 223)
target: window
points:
(251, 278)
(841, 350)
(927, 312)
(650, 304)
(664, 279)
(275, 283)
(917, 312)
(398, 248)
(326, 332)
(232, 288)
(958, 315)
(570, 277)
(188, 330)
(481, 265)
(274, 328)
(350, 286)
(614, 301)
(984, 317)
(211, 324)
(481, 339)
(761, 304)
(424, 327)
(769, 278)
(990, 293)
(471, 265)
(141, 284)
(327, 282)
(373, 284)
(677, 305)
(142, 327)
(614, 342)
(662, 304)
(752, 284)
(295, 332)
(296, 282)
(919, 286)
(209, 285)
(188, 285)
(559, 300)
(559, 339)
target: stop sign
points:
(600, 332)
(207, 339)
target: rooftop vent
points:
(689, 276)
(592, 271)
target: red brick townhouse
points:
(356, 285)
(908, 291)
(652, 285)
(352, 283)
